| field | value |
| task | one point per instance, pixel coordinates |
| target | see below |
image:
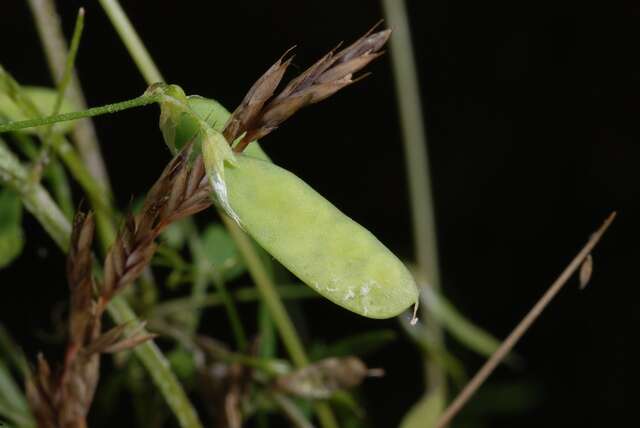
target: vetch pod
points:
(319, 244)
(323, 247)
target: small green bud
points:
(173, 104)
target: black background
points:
(531, 114)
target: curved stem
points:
(47, 22)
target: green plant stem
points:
(269, 294)
(62, 86)
(35, 198)
(40, 204)
(55, 47)
(417, 162)
(54, 174)
(243, 295)
(140, 101)
(158, 368)
(71, 59)
(281, 318)
(97, 196)
(43, 157)
(202, 276)
(130, 38)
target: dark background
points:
(531, 116)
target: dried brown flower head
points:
(260, 112)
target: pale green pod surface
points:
(44, 99)
(323, 247)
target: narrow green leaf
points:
(182, 363)
(425, 413)
(222, 252)
(13, 403)
(465, 331)
(11, 235)
(358, 344)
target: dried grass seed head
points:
(260, 112)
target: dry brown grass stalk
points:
(182, 190)
(63, 398)
(516, 334)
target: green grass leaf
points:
(357, 344)
(425, 413)
(11, 235)
(222, 252)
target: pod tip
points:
(414, 318)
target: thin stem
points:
(417, 163)
(158, 367)
(54, 174)
(43, 157)
(35, 198)
(130, 38)
(98, 197)
(202, 276)
(269, 294)
(270, 297)
(522, 327)
(242, 295)
(140, 101)
(55, 48)
(71, 59)
(40, 204)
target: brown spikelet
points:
(62, 398)
(181, 190)
(260, 112)
(80, 278)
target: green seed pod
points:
(327, 250)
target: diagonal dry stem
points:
(522, 327)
